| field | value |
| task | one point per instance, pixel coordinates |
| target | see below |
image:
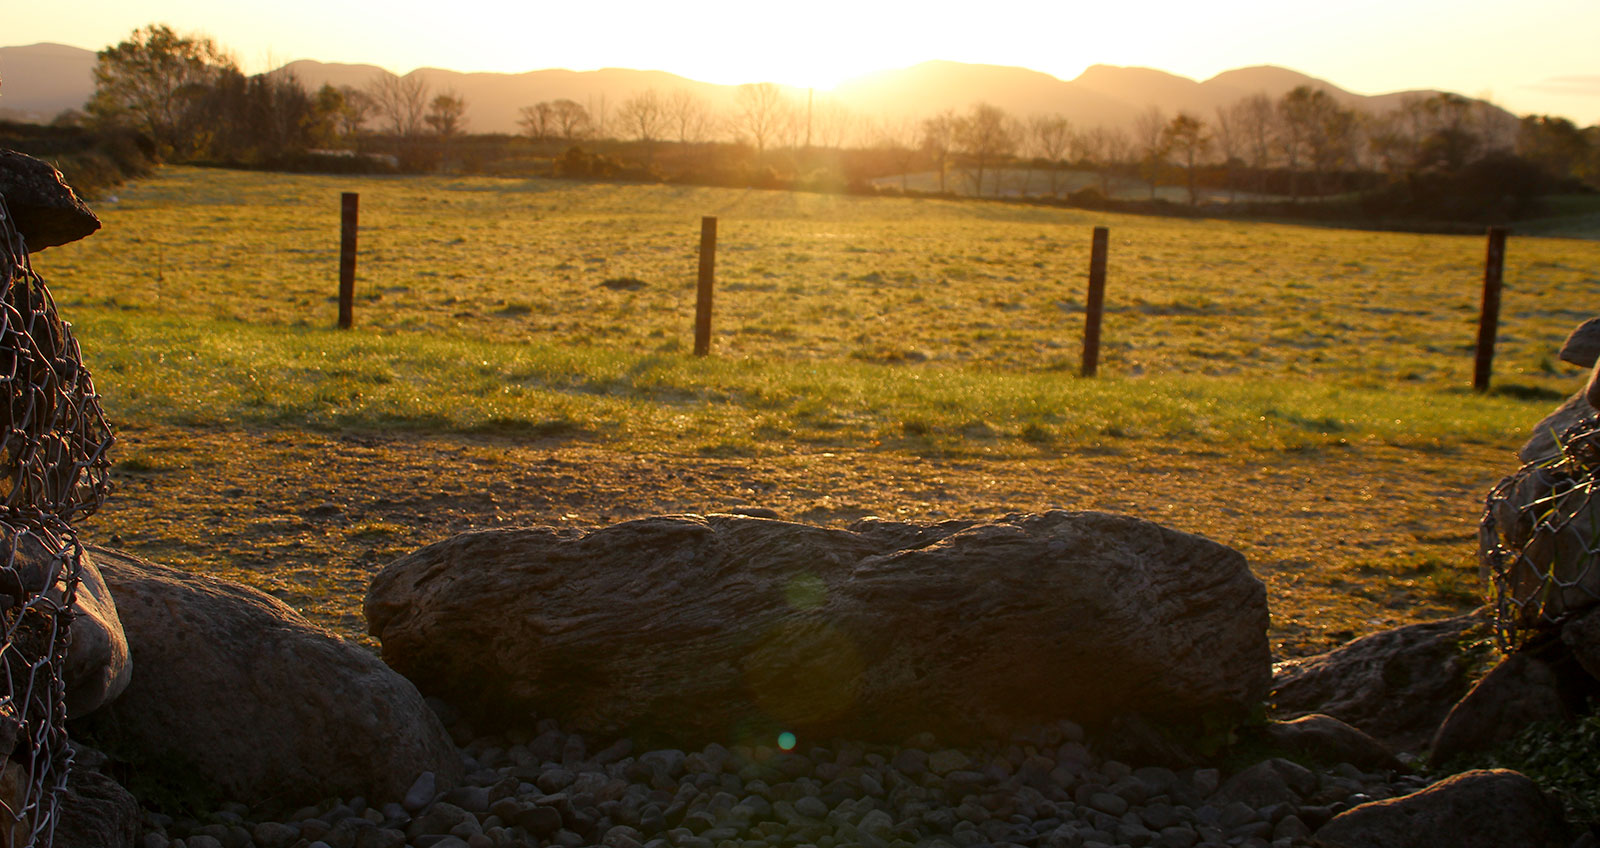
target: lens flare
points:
(786, 741)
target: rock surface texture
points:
(45, 210)
(1582, 346)
(1543, 443)
(1476, 809)
(1581, 635)
(724, 628)
(1538, 683)
(1322, 738)
(96, 812)
(238, 691)
(98, 668)
(1396, 686)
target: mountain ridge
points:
(39, 81)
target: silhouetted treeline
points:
(1437, 157)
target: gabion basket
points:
(1539, 540)
(53, 470)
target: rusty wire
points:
(1539, 540)
(53, 469)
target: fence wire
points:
(1539, 540)
(53, 469)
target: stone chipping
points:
(545, 787)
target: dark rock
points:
(255, 702)
(1542, 682)
(1325, 739)
(1581, 635)
(1582, 346)
(96, 812)
(1475, 809)
(44, 209)
(690, 629)
(1274, 781)
(1396, 685)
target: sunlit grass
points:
(924, 325)
(208, 373)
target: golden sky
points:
(1529, 56)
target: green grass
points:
(493, 305)
(212, 373)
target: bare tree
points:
(688, 116)
(598, 117)
(762, 113)
(1256, 118)
(357, 108)
(1051, 135)
(571, 120)
(1103, 150)
(1313, 126)
(537, 120)
(832, 124)
(1229, 139)
(1187, 137)
(643, 116)
(938, 139)
(401, 102)
(1150, 133)
(447, 114)
(1387, 142)
(897, 138)
(983, 135)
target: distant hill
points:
(493, 100)
(41, 80)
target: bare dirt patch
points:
(1348, 540)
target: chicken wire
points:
(53, 469)
(1539, 540)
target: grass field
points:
(936, 333)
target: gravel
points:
(549, 788)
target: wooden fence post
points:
(1096, 302)
(1489, 316)
(348, 203)
(702, 304)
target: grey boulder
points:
(235, 690)
(1582, 346)
(98, 666)
(1544, 443)
(728, 628)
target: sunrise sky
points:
(1528, 56)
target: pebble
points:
(554, 789)
(421, 792)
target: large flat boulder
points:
(236, 691)
(690, 629)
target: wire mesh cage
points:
(1539, 540)
(53, 469)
